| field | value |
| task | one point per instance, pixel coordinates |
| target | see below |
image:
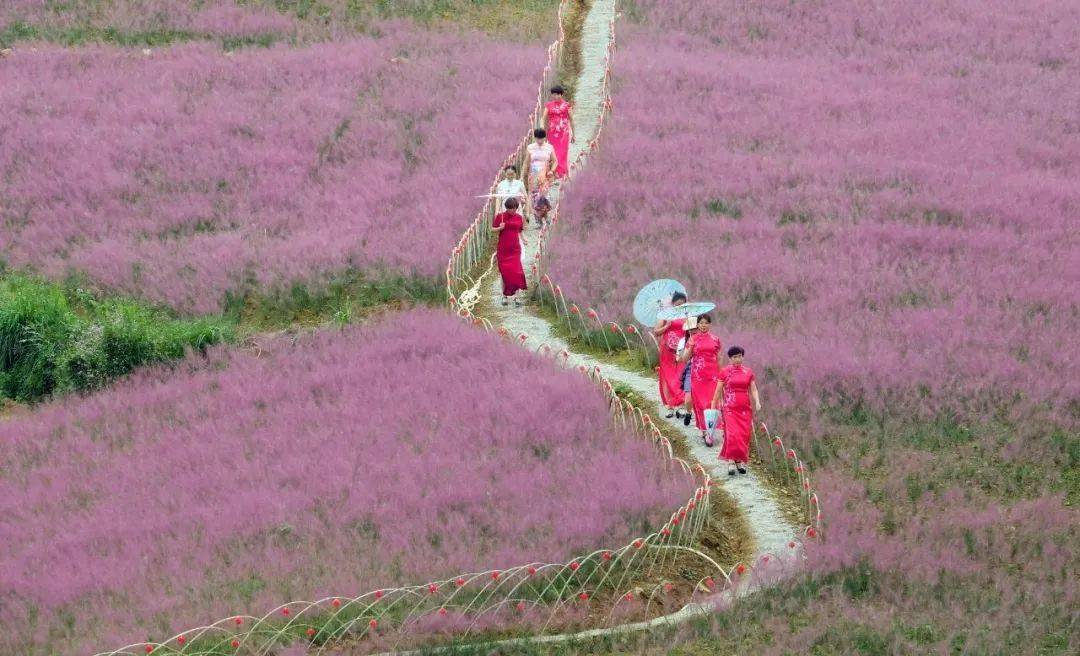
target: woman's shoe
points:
(670, 413)
(742, 470)
(505, 302)
(731, 470)
(708, 439)
(686, 419)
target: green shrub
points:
(55, 340)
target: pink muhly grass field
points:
(888, 217)
(349, 461)
(882, 200)
(202, 19)
(191, 173)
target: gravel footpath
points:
(770, 530)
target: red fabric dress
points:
(671, 372)
(704, 372)
(558, 133)
(737, 411)
(508, 252)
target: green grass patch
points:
(83, 34)
(343, 299)
(55, 338)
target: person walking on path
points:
(542, 163)
(508, 225)
(559, 123)
(703, 352)
(670, 371)
(511, 187)
(734, 392)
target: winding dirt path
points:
(770, 529)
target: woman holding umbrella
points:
(703, 352)
(668, 333)
(735, 390)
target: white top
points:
(510, 189)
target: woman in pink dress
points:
(508, 226)
(560, 128)
(542, 164)
(669, 333)
(736, 389)
(703, 352)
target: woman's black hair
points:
(557, 89)
(542, 202)
(735, 350)
(704, 317)
(511, 204)
(512, 167)
(678, 296)
(540, 133)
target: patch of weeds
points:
(796, 217)
(722, 207)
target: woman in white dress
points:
(510, 187)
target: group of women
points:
(548, 160)
(693, 378)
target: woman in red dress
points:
(703, 352)
(508, 226)
(671, 372)
(560, 128)
(733, 395)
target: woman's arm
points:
(544, 118)
(687, 352)
(717, 395)
(661, 327)
(570, 117)
(754, 395)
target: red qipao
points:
(558, 133)
(704, 372)
(508, 252)
(671, 372)
(738, 414)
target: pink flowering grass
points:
(882, 201)
(189, 175)
(886, 219)
(345, 462)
